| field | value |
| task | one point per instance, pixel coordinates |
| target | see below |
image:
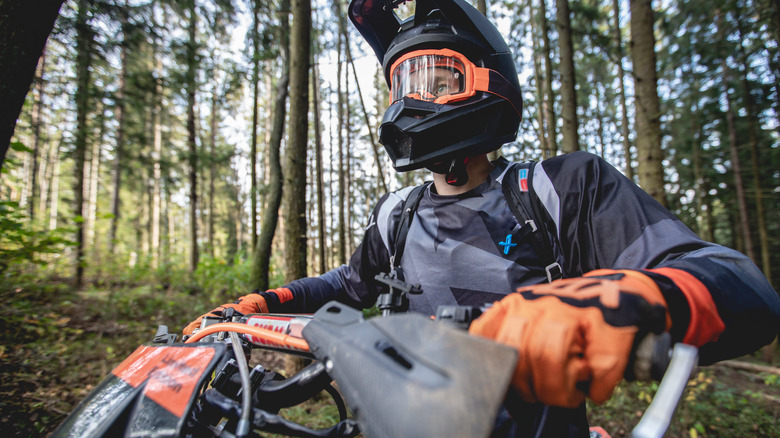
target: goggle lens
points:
(428, 77)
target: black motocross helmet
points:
(484, 110)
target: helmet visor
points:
(430, 77)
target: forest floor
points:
(56, 344)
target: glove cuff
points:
(705, 324)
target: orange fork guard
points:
(269, 335)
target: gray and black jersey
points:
(461, 251)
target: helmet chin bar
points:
(418, 134)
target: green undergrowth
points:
(718, 402)
(56, 344)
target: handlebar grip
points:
(651, 357)
(460, 316)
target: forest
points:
(160, 157)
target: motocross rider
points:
(630, 266)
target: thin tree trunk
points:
(736, 168)
(600, 122)
(255, 110)
(36, 123)
(624, 131)
(482, 8)
(156, 166)
(541, 110)
(315, 85)
(212, 165)
(700, 185)
(94, 179)
(341, 124)
(763, 235)
(262, 251)
(571, 140)
(119, 114)
(348, 175)
(55, 183)
(191, 135)
(45, 180)
(294, 192)
(171, 214)
(84, 43)
(648, 112)
(377, 159)
(548, 80)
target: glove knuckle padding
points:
(574, 336)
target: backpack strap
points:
(407, 215)
(517, 191)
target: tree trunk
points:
(750, 110)
(600, 121)
(549, 105)
(120, 116)
(36, 123)
(624, 131)
(377, 159)
(736, 168)
(294, 192)
(341, 125)
(542, 104)
(84, 46)
(255, 116)
(94, 179)
(262, 252)
(648, 113)
(700, 185)
(315, 85)
(348, 175)
(212, 164)
(571, 140)
(54, 186)
(482, 8)
(24, 28)
(192, 68)
(156, 166)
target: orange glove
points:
(575, 335)
(252, 303)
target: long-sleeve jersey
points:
(458, 250)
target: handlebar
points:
(651, 360)
(271, 337)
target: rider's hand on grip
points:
(574, 336)
(252, 303)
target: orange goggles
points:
(444, 76)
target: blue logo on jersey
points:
(507, 244)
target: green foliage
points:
(718, 402)
(20, 147)
(20, 243)
(218, 278)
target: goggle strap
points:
(498, 85)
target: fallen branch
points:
(750, 366)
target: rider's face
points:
(435, 82)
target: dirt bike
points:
(431, 373)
